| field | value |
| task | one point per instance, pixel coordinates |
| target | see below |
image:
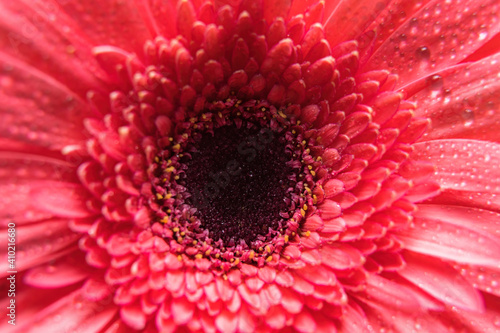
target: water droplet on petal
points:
(468, 117)
(423, 53)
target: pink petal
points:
(133, 316)
(33, 35)
(182, 310)
(392, 319)
(227, 322)
(442, 281)
(132, 31)
(365, 13)
(436, 233)
(483, 278)
(61, 273)
(354, 320)
(389, 294)
(428, 48)
(60, 199)
(40, 242)
(395, 14)
(341, 256)
(49, 118)
(461, 102)
(460, 166)
(72, 313)
(479, 322)
(304, 322)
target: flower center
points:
(233, 183)
(238, 180)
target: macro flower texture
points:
(250, 166)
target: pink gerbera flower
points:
(250, 166)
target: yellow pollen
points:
(251, 255)
(268, 248)
(170, 169)
(303, 213)
(183, 234)
(236, 262)
(199, 256)
(307, 233)
(269, 259)
(177, 177)
(309, 167)
(282, 114)
(195, 242)
(207, 252)
(185, 136)
(286, 238)
(304, 207)
(179, 257)
(217, 255)
(159, 196)
(176, 229)
(157, 159)
(170, 139)
(313, 173)
(168, 196)
(164, 219)
(176, 146)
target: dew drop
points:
(435, 82)
(468, 117)
(423, 53)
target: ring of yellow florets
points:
(177, 222)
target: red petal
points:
(61, 273)
(443, 233)
(462, 103)
(71, 313)
(49, 118)
(455, 161)
(429, 48)
(452, 288)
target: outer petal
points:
(39, 243)
(438, 233)
(32, 32)
(441, 281)
(72, 314)
(436, 38)
(118, 23)
(464, 102)
(467, 171)
(354, 17)
(37, 109)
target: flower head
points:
(242, 166)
